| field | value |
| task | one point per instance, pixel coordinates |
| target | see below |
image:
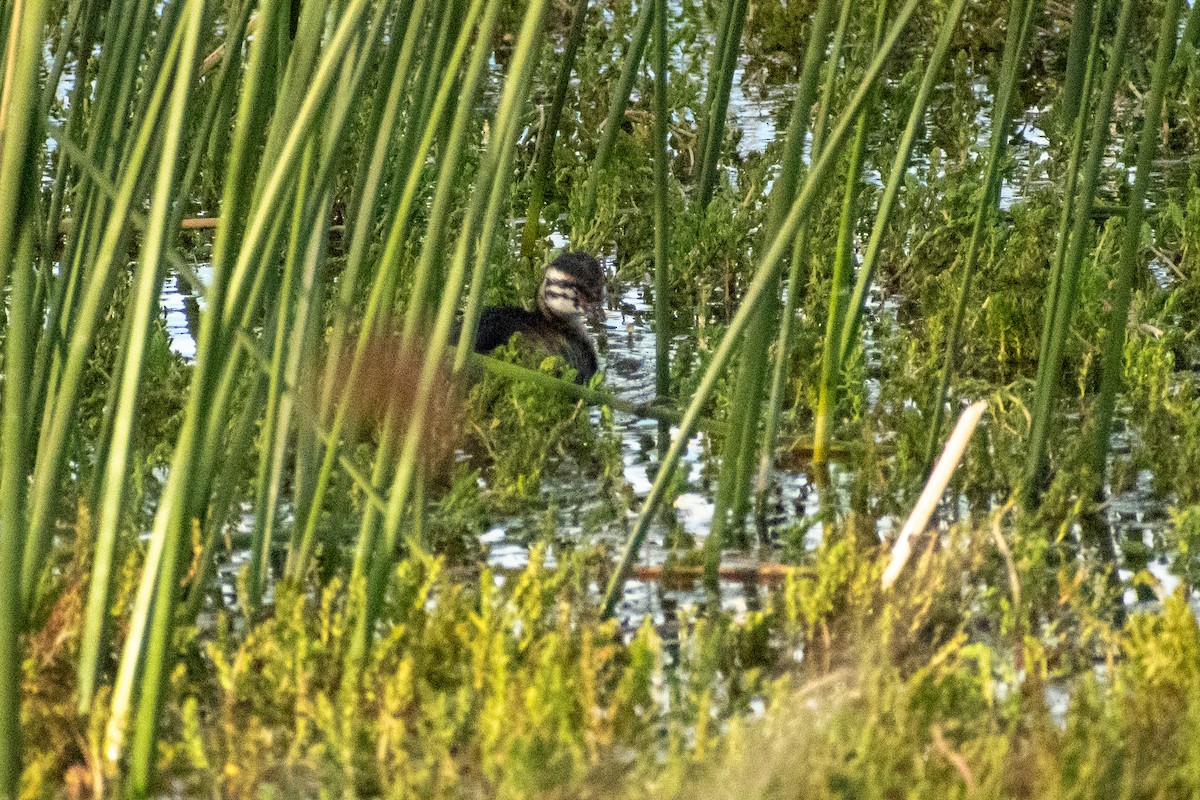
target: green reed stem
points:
(1075, 85)
(1113, 350)
(716, 64)
(544, 159)
(364, 217)
(662, 236)
(1191, 29)
(299, 294)
(428, 265)
(438, 62)
(895, 181)
(148, 289)
(768, 271)
(741, 438)
(143, 307)
(19, 231)
(721, 85)
(493, 219)
(616, 107)
(289, 325)
(22, 119)
(13, 471)
(306, 65)
(1078, 137)
(1020, 16)
(1050, 368)
(108, 120)
(313, 208)
(225, 491)
(841, 277)
(800, 258)
(224, 86)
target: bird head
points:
(573, 288)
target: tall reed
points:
(741, 433)
(544, 158)
(21, 117)
(145, 745)
(1191, 29)
(1085, 85)
(630, 66)
(843, 271)
(839, 348)
(384, 125)
(1050, 367)
(857, 303)
(770, 266)
(95, 251)
(1112, 366)
(1020, 17)
(801, 255)
(1075, 93)
(716, 105)
(662, 237)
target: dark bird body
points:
(498, 324)
(572, 288)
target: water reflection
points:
(585, 513)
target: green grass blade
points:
(1019, 21)
(544, 159)
(770, 266)
(1050, 368)
(616, 110)
(1112, 365)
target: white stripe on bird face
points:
(560, 295)
(555, 277)
(561, 304)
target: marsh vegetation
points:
(270, 528)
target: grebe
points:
(572, 288)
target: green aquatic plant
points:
(1114, 345)
(523, 427)
(1062, 297)
(1020, 18)
(263, 566)
(762, 280)
(733, 482)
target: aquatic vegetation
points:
(522, 427)
(298, 540)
